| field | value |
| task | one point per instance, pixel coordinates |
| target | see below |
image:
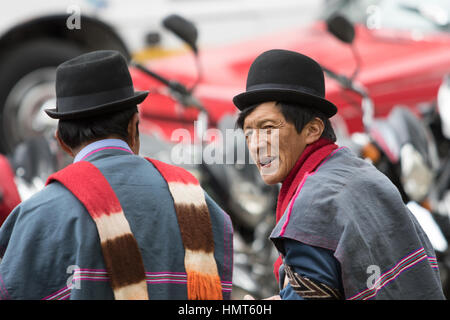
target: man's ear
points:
(64, 146)
(133, 133)
(313, 130)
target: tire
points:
(34, 60)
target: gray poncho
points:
(351, 208)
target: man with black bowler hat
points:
(112, 225)
(343, 231)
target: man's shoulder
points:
(348, 183)
(346, 171)
(344, 180)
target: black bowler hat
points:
(285, 76)
(93, 84)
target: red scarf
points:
(310, 158)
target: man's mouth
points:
(266, 161)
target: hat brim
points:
(257, 96)
(139, 96)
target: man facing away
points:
(113, 225)
(342, 229)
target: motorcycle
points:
(403, 147)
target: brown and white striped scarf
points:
(120, 249)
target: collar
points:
(101, 145)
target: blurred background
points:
(386, 64)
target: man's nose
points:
(257, 142)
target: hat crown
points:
(93, 84)
(287, 69)
(288, 77)
(98, 71)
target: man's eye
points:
(267, 129)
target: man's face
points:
(274, 144)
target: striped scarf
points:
(120, 249)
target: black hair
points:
(296, 115)
(77, 132)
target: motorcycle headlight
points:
(443, 101)
(416, 176)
